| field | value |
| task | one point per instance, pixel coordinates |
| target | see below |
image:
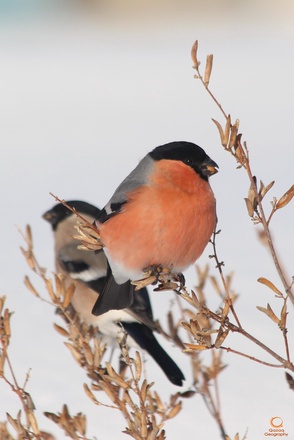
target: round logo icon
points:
(276, 422)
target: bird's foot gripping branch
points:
(163, 277)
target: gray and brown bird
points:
(88, 271)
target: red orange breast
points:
(168, 222)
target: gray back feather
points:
(138, 177)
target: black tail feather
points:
(113, 296)
(146, 340)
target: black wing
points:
(113, 296)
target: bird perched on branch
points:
(88, 271)
(163, 213)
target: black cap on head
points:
(188, 153)
(60, 212)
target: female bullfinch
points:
(163, 213)
(88, 271)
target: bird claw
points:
(164, 277)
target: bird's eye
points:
(188, 161)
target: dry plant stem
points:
(214, 411)
(284, 330)
(284, 363)
(265, 225)
(252, 358)
(246, 164)
(213, 408)
(74, 211)
(219, 265)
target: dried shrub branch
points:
(231, 142)
(204, 330)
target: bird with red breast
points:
(163, 213)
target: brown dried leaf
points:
(30, 287)
(68, 295)
(284, 313)
(13, 422)
(249, 207)
(290, 380)
(193, 347)
(115, 377)
(187, 394)
(29, 237)
(138, 365)
(79, 422)
(174, 411)
(208, 69)
(252, 192)
(194, 55)
(226, 309)
(221, 133)
(2, 362)
(88, 354)
(6, 322)
(77, 356)
(99, 350)
(233, 135)
(269, 312)
(2, 302)
(227, 131)
(286, 198)
(159, 403)
(90, 394)
(29, 259)
(269, 284)
(61, 330)
(59, 286)
(264, 189)
(50, 290)
(51, 416)
(33, 422)
(187, 327)
(222, 334)
(144, 389)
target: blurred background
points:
(87, 88)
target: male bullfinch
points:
(88, 272)
(163, 213)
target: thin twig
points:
(252, 358)
(219, 265)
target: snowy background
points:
(86, 90)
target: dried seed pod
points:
(138, 365)
(194, 55)
(174, 411)
(264, 189)
(249, 206)
(33, 422)
(221, 133)
(77, 356)
(90, 394)
(193, 347)
(269, 284)
(68, 295)
(269, 312)
(286, 198)
(222, 334)
(233, 135)
(284, 313)
(88, 354)
(208, 69)
(30, 287)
